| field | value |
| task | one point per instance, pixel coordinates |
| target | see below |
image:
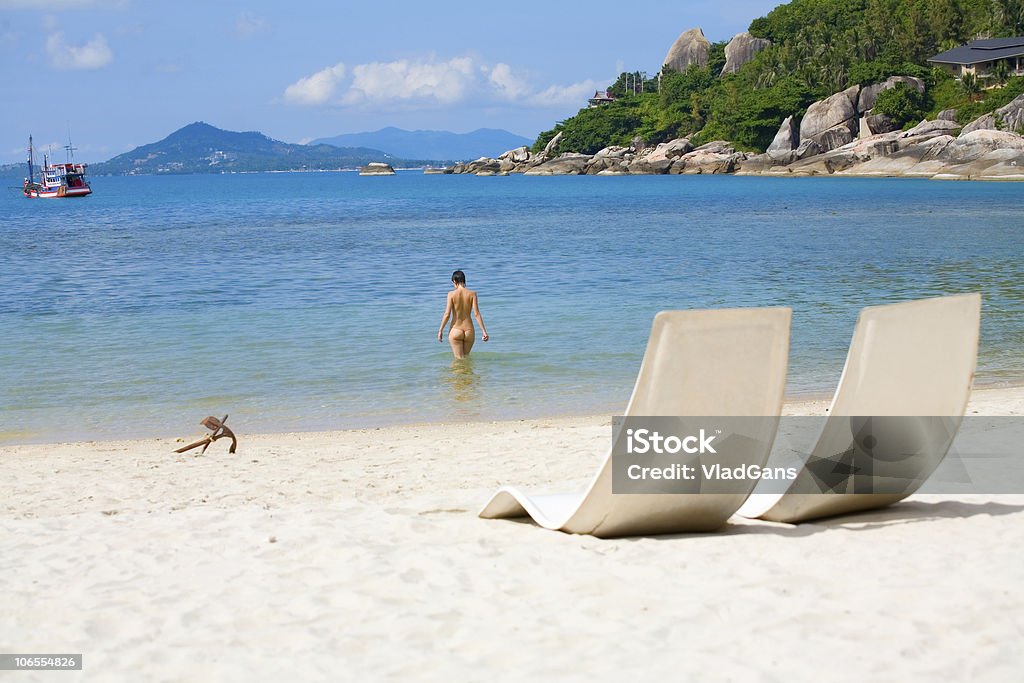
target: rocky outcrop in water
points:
(833, 121)
(691, 47)
(837, 136)
(377, 168)
(674, 157)
(929, 150)
(787, 139)
(840, 118)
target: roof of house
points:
(980, 51)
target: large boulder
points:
(612, 159)
(997, 164)
(983, 122)
(715, 157)
(807, 148)
(741, 49)
(717, 147)
(786, 140)
(1012, 115)
(549, 149)
(614, 152)
(978, 143)
(673, 149)
(947, 115)
(377, 168)
(517, 155)
(650, 167)
(835, 137)
(916, 160)
(485, 165)
(691, 47)
(869, 93)
(566, 164)
(838, 110)
(932, 128)
(606, 165)
(876, 124)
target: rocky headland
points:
(839, 135)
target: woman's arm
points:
(444, 320)
(479, 318)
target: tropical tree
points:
(970, 87)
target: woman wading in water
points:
(461, 302)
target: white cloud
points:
(248, 24)
(560, 95)
(508, 84)
(94, 54)
(315, 89)
(433, 82)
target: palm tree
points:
(969, 84)
(1001, 72)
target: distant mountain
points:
(432, 144)
(202, 148)
(18, 171)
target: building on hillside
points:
(600, 98)
(980, 57)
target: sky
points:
(123, 73)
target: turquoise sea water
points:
(311, 301)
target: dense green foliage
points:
(818, 47)
(903, 104)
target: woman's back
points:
(462, 307)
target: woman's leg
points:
(457, 339)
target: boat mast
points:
(31, 177)
(69, 148)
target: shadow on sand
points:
(907, 512)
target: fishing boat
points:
(56, 180)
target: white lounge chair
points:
(908, 360)
(697, 363)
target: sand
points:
(358, 555)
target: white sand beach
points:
(358, 555)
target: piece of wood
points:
(219, 431)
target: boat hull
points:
(56, 192)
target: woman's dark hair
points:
(458, 277)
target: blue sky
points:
(128, 72)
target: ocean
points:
(310, 301)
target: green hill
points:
(202, 148)
(818, 47)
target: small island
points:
(377, 168)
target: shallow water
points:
(312, 301)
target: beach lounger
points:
(907, 379)
(697, 363)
